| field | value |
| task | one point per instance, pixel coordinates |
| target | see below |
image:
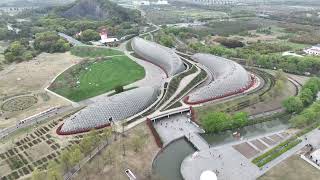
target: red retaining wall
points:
(155, 133)
(59, 132)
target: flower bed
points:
(276, 152)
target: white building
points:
(105, 39)
(314, 50)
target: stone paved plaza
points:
(231, 164)
(174, 127)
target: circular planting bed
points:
(19, 103)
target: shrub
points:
(118, 89)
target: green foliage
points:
(166, 40)
(89, 35)
(306, 97)
(307, 116)
(264, 30)
(229, 43)
(293, 104)
(88, 9)
(118, 89)
(138, 141)
(90, 79)
(220, 121)
(265, 55)
(89, 51)
(54, 172)
(305, 38)
(18, 51)
(50, 42)
(276, 152)
(37, 174)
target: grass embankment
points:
(89, 51)
(92, 78)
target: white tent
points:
(208, 175)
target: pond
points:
(167, 164)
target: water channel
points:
(167, 163)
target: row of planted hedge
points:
(282, 147)
(155, 133)
(276, 151)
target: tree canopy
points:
(50, 42)
(220, 121)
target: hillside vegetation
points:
(98, 10)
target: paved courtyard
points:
(174, 127)
(230, 164)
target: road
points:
(33, 120)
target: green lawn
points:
(293, 168)
(88, 51)
(97, 77)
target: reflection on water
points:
(167, 164)
(247, 132)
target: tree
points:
(298, 121)
(107, 132)
(240, 119)
(118, 89)
(37, 174)
(278, 88)
(18, 51)
(50, 42)
(86, 145)
(306, 96)
(65, 160)
(76, 155)
(280, 75)
(54, 171)
(137, 143)
(216, 121)
(166, 40)
(293, 104)
(108, 156)
(313, 84)
(89, 35)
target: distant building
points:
(314, 50)
(105, 39)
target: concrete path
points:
(197, 141)
(35, 119)
(231, 165)
(183, 83)
(70, 39)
